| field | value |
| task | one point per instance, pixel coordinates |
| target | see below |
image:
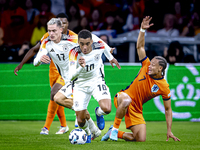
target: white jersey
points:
(59, 52)
(94, 69)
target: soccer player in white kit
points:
(88, 76)
(57, 46)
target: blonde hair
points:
(56, 21)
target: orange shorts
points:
(56, 79)
(132, 116)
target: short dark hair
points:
(62, 15)
(84, 34)
(162, 62)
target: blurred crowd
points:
(23, 22)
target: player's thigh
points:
(123, 99)
(56, 87)
(67, 90)
(101, 92)
(139, 132)
(80, 99)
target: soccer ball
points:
(77, 136)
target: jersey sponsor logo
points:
(143, 78)
(97, 57)
(52, 50)
(154, 88)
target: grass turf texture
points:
(24, 135)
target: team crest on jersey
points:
(76, 104)
(154, 88)
(97, 57)
(65, 48)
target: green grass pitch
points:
(24, 135)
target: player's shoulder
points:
(70, 36)
(73, 53)
(44, 36)
(76, 49)
(98, 45)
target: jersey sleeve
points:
(42, 51)
(74, 70)
(44, 37)
(145, 61)
(166, 93)
(107, 50)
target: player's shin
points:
(87, 130)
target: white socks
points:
(86, 128)
(100, 112)
(93, 128)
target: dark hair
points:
(84, 34)
(162, 62)
(62, 15)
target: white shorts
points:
(82, 95)
(67, 90)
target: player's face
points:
(65, 25)
(85, 45)
(154, 68)
(55, 32)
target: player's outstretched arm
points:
(168, 116)
(141, 37)
(28, 56)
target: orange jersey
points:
(53, 72)
(144, 88)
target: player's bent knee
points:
(106, 109)
(57, 98)
(141, 139)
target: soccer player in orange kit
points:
(148, 84)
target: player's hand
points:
(115, 62)
(170, 135)
(45, 59)
(17, 69)
(112, 49)
(81, 61)
(145, 22)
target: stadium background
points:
(26, 96)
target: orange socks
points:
(61, 116)
(50, 114)
(120, 134)
(117, 123)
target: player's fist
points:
(45, 59)
(81, 61)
